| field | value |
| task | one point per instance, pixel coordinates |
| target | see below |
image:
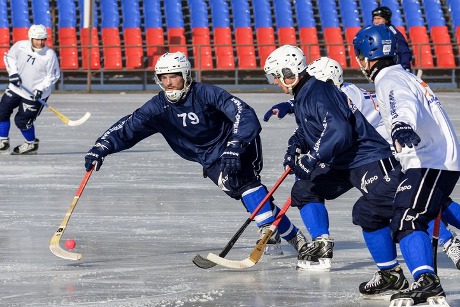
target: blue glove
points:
(283, 108)
(292, 153)
(37, 95)
(230, 161)
(403, 135)
(15, 79)
(305, 166)
(97, 154)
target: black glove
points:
(403, 135)
(283, 108)
(15, 79)
(292, 153)
(305, 165)
(230, 159)
(37, 95)
(97, 154)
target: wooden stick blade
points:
(60, 252)
(232, 264)
(80, 121)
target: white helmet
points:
(285, 62)
(37, 32)
(170, 63)
(325, 69)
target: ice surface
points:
(147, 213)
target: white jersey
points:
(366, 103)
(402, 97)
(38, 70)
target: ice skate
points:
(317, 255)
(383, 284)
(27, 148)
(425, 291)
(273, 246)
(452, 249)
(4, 146)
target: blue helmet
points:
(374, 42)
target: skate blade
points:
(431, 301)
(273, 250)
(324, 264)
(5, 152)
(385, 296)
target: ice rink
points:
(145, 215)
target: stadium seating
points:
(226, 34)
(201, 38)
(154, 33)
(244, 38)
(308, 34)
(222, 35)
(175, 27)
(4, 32)
(20, 20)
(67, 33)
(132, 35)
(332, 32)
(111, 35)
(90, 56)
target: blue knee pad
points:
(252, 198)
(381, 247)
(315, 218)
(444, 233)
(4, 129)
(418, 253)
(29, 134)
(452, 215)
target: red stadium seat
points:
(350, 35)
(421, 47)
(134, 53)
(403, 31)
(90, 55)
(68, 53)
(286, 36)
(155, 45)
(223, 48)
(202, 48)
(334, 45)
(4, 44)
(309, 43)
(176, 40)
(245, 48)
(111, 48)
(265, 43)
(20, 34)
(442, 47)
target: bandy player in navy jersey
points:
(204, 124)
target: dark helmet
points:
(382, 11)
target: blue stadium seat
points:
(265, 33)
(244, 38)
(222, 34)
(367, 6)
(175, 26)
(68, 53)
(307, 29)
(285, 22)
(201, 38)
(154, 32)
(20, 20)
(41, 14)
(134, 53)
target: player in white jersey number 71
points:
(33, 66)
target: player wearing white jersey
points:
(32, 67)
(427, 148)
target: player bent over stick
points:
(428, 149)
(204, 124)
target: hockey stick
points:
(204, 263)
(258, 250)
(434, 241)
(61, 116)
(56, 238)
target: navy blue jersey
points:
(403, 52)
(197, 128)
(339, 136)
